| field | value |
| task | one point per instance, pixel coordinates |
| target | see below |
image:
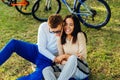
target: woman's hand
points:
(63, 62)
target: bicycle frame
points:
(21, 3)
(73, 10)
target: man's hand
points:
(59, 59)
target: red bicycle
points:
(22, 6)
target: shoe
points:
(72, 79)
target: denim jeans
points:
(29, 52)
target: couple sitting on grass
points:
(59, 41)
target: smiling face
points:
(69, 26)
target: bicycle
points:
(22, 6)
(94, 14)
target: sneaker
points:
(72, 79)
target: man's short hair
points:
(55, 20)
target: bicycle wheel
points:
(44, 10)
(26, 10)
(99, 16)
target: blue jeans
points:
(29, 52)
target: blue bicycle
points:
(92, 13)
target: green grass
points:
(103, 45)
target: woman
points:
(71, 45)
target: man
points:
(47, 35)
(47, 45)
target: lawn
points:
(103, 45)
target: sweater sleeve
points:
(42, 42)
(82, 44)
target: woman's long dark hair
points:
(76, 30)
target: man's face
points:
(57, 30)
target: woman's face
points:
(69, 26)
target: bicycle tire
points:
(23, 10)
(100, 16)
(41, 14)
